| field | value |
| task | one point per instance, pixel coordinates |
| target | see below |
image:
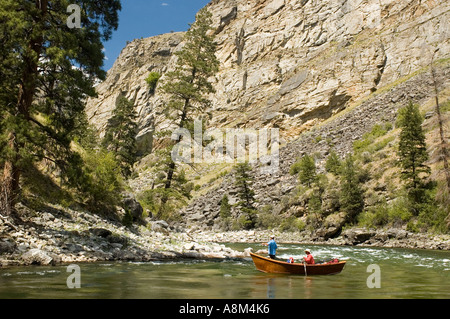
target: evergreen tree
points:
(189, 88)
(225, 207)
(333, 163)
(307, 170)
(351, 197)
(120, 137)
(412, 151)
(47, 71)
(244, 182)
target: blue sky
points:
(146, 18)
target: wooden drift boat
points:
(273, 266)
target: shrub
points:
(368, 139)
(292, 224)
(295, 168)
(333, 163)
(267, 219)
(151, 200)
(152, 80)
(103, 182)
(375, 216)
(98, 182)
(399, 213)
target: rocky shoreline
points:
(383, 238)
(63, 236)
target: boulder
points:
(332, 225)
(328, 232)
(356, 236)
(132, 206)
(39, 257)
(7, 247)
(189, 246)
(160, 226)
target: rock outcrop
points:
(338, 134)
(287, 63)
(127, 78)
(292, 64)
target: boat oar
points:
(304, 265)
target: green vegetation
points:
(413, 153)
(385, 182)
(152, 81)
(244, 182)
(151, 201)
(102, 182)
(225, 212)
(188, 88)
(42, 94)
(120, 137)
(306, 168)
(351, 197)
(368, 144)
(333, 163)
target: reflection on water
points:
(288, 285)
(404, 274)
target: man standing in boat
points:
(272, 247)
(309, 259)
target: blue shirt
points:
(272, 247)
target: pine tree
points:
(351, 197)
(225, 207)
(307, 170)
(47, 71)
(120, 137)
(244, 182)
(189, 88)
(412, 151)
(333, 163)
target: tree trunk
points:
(444, 150)
(172, 165)
(10, 181)
(441, 130)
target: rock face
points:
(127, 77)
(291, 64)
(287, 63)
(338, 134)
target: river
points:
(400, 273)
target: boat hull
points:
(272, 266)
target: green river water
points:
(404, 273)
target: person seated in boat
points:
(272, 247)
(309, 259)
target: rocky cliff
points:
(292, 64)
(287, 63)
(127, 77)
(337, 134)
